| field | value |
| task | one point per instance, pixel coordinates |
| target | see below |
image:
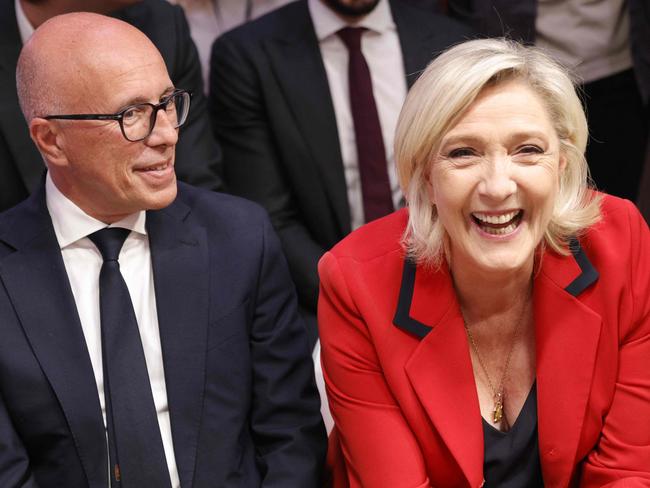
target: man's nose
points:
(164, 131)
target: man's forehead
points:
(117, 73)
(113, 88)
(84, 39)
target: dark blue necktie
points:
(136, 453)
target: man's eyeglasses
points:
(137, 121)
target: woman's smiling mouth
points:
(498, 224)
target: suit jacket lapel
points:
(297, 64)
(36, 281)
(567, 334)
(27, 158)
(179, 255)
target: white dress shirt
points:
(83, 262)
(381, 48)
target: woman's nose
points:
(497, 182)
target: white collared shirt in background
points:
(592, 38)
(383, 53)
(209, 19)
(24, 27)
(83, 261)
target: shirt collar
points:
(24, 27)
(327, 23)
(71, 223)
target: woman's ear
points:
(563, 162)
(428, 178)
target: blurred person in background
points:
(304, 102)
(208, 19)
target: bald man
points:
(149, 329)
(198, 158)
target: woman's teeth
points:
(496, 219)
(499, 231)
(498, 224)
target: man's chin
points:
(163, 197)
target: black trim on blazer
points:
(589, 274)
(404, 321)
(402, 318)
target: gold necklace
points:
(498, 415)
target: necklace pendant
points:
(497, 414)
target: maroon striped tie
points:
(375, 186)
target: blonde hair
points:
(442, 94)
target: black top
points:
(512, 458)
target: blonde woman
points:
(497, 331)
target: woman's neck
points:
(483, 294)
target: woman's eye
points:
(530, 149)
(461, 152)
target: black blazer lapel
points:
(37, 284)
(180, 261)
(12, 123)
(296, 61)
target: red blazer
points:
(399, 376)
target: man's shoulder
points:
(162, 22)
(9, 30)
(407, 16)
(149, 11)
(286, 21)
(20, 224)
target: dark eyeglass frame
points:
(119, 116)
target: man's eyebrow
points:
(140, 99)
(168, 91)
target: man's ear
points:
(46, 135)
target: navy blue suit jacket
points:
(243, 405)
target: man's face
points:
(352, 8)
(106, 175)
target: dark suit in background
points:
(274, 117)
(243, 405)
(198, 156)
(618, 109)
